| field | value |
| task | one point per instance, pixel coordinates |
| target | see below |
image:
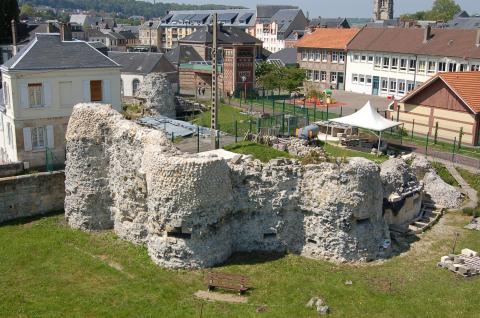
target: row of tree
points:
(280, 78)
(442, 10)
(124, 8)
(8, 11)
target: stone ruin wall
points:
(193, 211)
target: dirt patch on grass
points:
(213, 296)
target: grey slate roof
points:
(139, 63)
(464, 23)
(230, 17)
(329, 22)
(285, 17)
(183, 54)
(48, 52)
(268, 11)
(287, 56)
(226, 35)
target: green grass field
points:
(50, 270)
(443, 172)
(227, 115)
(474, 180)
(258, 151)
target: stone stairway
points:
(428, 217)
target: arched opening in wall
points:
(135, 84)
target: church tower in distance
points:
(382, 9)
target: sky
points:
(342, 8)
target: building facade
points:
(447, 106)
(275, 30)
(239, 52)
(150, 34)
(379, 66)
(323, 54)
(39, 95)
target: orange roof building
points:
(323, 54)
(447, 105)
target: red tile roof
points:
(464, 84)
(442, 42)
(328, 38)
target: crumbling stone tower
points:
(382, 9)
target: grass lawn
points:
(334, 151)
(258, 151)
(227, 115)
(50, 270)
(474, 181)
(443, 172)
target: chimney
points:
(14, 37)
(477, 40)
(65, 32)
(427, 34)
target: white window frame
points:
(403, 64)
(323, 76)
(304, 55)
(318, 56)
(442, 66)
(324, 56)
(363, 58)
(401, 86)
(334, 57)
(386, 65)
(422, 66)
(378, 62)
(333, 77)
(432, 67)
(392, 86)
(35, 95)
(356, 58)
(355, 78)
(341, 57)
(410, 86)
(394, 63)
(37, 142)
(361, 79)
(370, 59)
(384, 80)
(316, 75)
(475, 67)
(368, 80)
(412, 65)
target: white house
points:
(273, 31)
(393, 61)
(41, 84)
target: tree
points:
(8, 11)
(444, 10)
(293, 78)
(27, 11)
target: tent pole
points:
(379, 141)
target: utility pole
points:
(214, 74)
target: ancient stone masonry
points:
(157, 95)
(194, 211)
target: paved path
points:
(471, 193)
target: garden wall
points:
(31, 194)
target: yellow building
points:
(447, 105)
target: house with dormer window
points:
(41, 84)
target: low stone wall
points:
(31, 194)
(10, 169)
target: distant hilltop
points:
(126, 7)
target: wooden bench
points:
(227, 281)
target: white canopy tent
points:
(368, 118)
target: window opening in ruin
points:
(177, 233)
(312, 241)
(269, 235)
(363, 221)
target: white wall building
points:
(41, 84)
(273, 31)
(378, 65)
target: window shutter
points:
(47, 94)
(50, 137)
(86, 91)
(27, 139)
(24, 95)
(106, 91)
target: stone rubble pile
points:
(473, 225)
(157, 95)
(466, 264)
